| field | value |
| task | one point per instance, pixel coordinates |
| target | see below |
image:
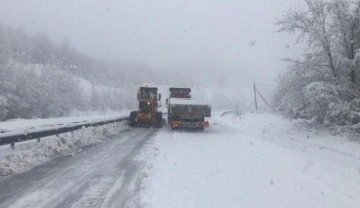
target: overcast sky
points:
(236, 38)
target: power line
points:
(267, 80)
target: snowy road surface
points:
(101, 175)
(256, 160)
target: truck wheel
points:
(159, 120)
(172, 127)
(132, 119)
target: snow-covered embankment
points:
(31, 153)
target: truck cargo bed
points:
(189, 111)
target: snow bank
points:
(32, 153)
(23, 125)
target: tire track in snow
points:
(89, 178)
(113, 191)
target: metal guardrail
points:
(15, 137)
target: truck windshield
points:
(148, 93)
(145, 106)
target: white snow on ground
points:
(252, 160)
(31, 153)
(30, 124)
(24, 126)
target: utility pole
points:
(256, 107)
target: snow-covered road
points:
(100, 175)
(252, 160)
(256, 160)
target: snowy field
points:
(252, 160)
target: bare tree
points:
(312, 26)
(331, 30)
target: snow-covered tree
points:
(325, 79)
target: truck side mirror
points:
(167, 101)
(159, 97)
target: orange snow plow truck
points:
(184, 112)
(148, 113)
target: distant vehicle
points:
(147, 114)
(184, 112)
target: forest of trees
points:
(39, 79)
(323, 85)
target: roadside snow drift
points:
(31, 153)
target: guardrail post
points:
(38, 139)
(12, 146)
